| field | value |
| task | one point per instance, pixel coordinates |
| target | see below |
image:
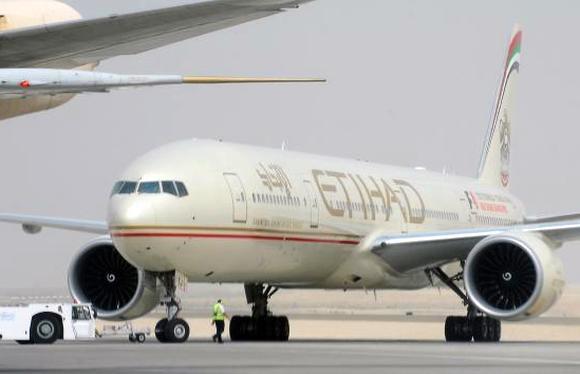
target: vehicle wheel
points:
(176, 331)
(457, 329)
(160, 330)
(132, 338)
(45, 329)
(141, 338)
(24, 342)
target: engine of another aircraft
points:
(16, 14)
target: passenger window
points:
(128, 188)
(149, 187)
(169, 187)
(181, 189)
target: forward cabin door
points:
(312, 204)
(239, 199)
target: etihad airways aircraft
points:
(214, 212)
(47, 52)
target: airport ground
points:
(330, 332)
(304, 356)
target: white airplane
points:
(213, 212)
(47, 52)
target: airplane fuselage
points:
(16, 14)
(258, 215)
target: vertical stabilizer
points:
(495, 159)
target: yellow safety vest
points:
(218, 314)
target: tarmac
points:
(397, 332)
(305, 356)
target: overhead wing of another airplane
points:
(34, 82)
(75, 43)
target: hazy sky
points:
(410, 83)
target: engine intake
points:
(117, 290)
(513, 276)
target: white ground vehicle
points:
(46, 323)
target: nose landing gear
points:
(171, 329)
(262, 325)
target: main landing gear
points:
(262, 325)
(474, 326)
(171, 329)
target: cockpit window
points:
(117, 187)
(149, 187)
(173, 188)
(169, 187)
(127, 188)
(181, 189)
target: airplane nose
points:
(130, 212)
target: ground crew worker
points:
(219, 316)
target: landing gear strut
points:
(262, 325)
(171, 329)
(474, 326)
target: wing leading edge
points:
(93, 40)
(406, 252)
(33, 224)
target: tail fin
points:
(494, 163)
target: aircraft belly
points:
(210, 259)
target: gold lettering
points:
(339, 177)
(362, 199)
(413, 218)
(324, 189)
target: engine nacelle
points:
(513, 276)
(118, 291)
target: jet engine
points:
(513, 276)
(118, 290)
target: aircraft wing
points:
(34, 224)
(405, 252)
(75, 43)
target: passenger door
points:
(239, 200)
(312, 204)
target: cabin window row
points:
(261, 198)
(440, 215)
(498, 221)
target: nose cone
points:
(130, 211)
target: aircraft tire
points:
(160, 330)
(176, 331)
(457, 329)
(486, 329)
